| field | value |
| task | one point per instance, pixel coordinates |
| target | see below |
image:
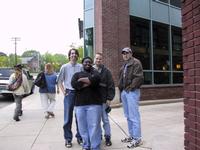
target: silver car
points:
(4, 80)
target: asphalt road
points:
(4, 101)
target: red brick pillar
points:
(191, 63)
(112, 31)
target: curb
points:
(152, 102)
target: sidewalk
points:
(162, 127)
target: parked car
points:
(4, 80)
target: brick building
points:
(191, 63)
(151, 27)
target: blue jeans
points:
(130, 101)
(18, 102)
(89, 120)
(68, 116)
(106, 123)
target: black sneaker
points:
(108, 142)
(51, 114)
(68, 144)
(79, 141)
(16, 118)
(135, 143)
(127, 140)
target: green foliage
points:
(57, 60)
(30, 53)
(81, 51)
(4, 61)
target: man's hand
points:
(84, 80)
(108, 102)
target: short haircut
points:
(87, 57)
(49, 68)
(99, 54)
(73, 49)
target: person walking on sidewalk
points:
(64, 81)
(18, 83)
(130, 79)
(107, 90)
(88, 105)
(48, 93)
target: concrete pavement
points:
(162, 127)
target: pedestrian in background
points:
(18, 83)
(88, 104)
(48, 93)
(130, 80)
(107, 90)
(64, 81)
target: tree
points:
(81, 51)
(11, 59)
(4, 61)
(58, 61)
(30, 53)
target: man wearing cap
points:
(18, 83)
(130, 79)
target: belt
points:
(70, 90)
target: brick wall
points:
(161, 92)
(191, 63)
(112, 31)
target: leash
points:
(125, 132)
(118, 126)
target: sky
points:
(41, 25)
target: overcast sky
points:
(42, 25)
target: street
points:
(5, 101)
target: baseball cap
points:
(126, 49)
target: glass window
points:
(176, 3)
(140, 40)
(147, 78)
(88, 4)
(161, 46)
(88, 42)
(165, 1)
(177, 49)
(161, 77)
(177, 77)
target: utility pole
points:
(15, 39)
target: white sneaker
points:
(135, 143)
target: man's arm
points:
(110, 86)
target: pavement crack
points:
(38, 133)
(4, 127)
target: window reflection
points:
(177, 77)
(177, 49)
(147, 78)
(161, 77)
(176, 3)
(165, 1)
(161, 46)
(88, 42)
(140, 37)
